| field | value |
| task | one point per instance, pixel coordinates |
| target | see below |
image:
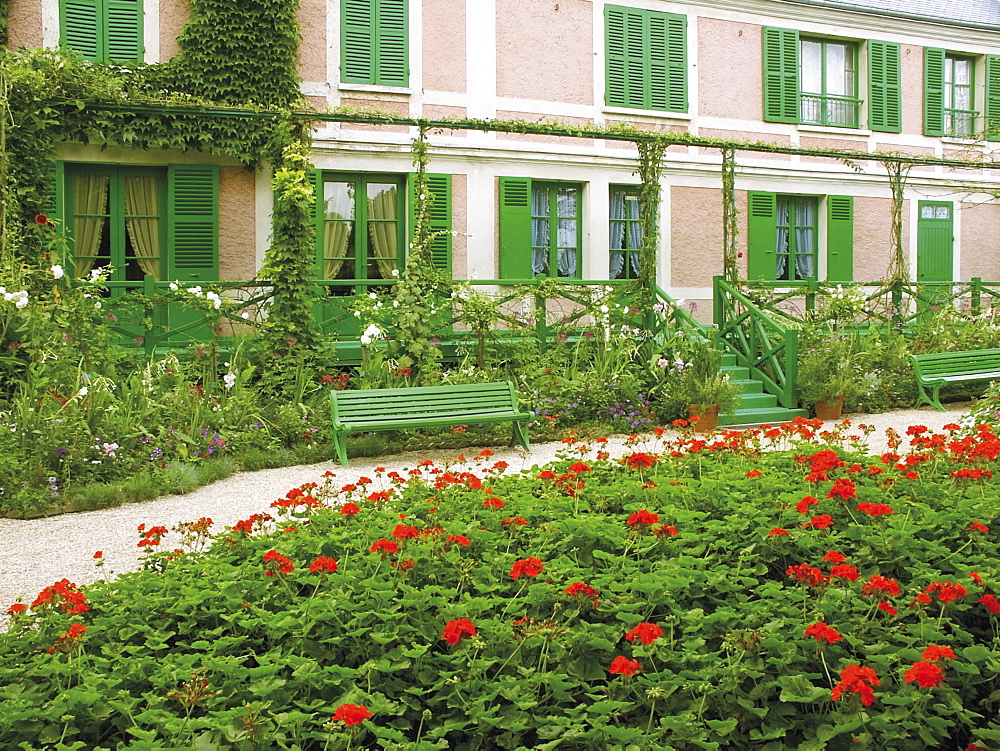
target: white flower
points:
(173, 286)
(216, 300)
(395, 303)
(57, 271)
(95, 274)
(365, 339)
(394, 272)
(605, 309)
(110, 449)
(662, 363)
(228, 380)
(97, 304)
(245, 316)
(195, 290)
(372, 332)
(357, 314)
(83, 391)
(22, 302)
(373, 296)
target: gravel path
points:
(37, 552)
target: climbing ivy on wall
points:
(650, 169)
(238, 52)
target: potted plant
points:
(709, 391)
(830, 367)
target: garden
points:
(772, 588)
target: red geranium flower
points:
(349, 509)
(842, 488)
(881, 585)
(647, 633)
(643, 517)
(822, 632)
(807, 574)
(991, 603)
(822, 521)
(887, 608)
(277, 564)
(526, 567)
(834, 557)
(383, 545)
(459, 540)
(946, 591)
(514, 521)
(974, 575)
(579, 589)
(351, 714)
(778, 532)
(455, 630)
(754, 473)
(857, 680)
(805, 504)
(623, 666)
(323, 564)
(978, 527)
(578, 467)
(405, 532)
(640, 460)
(935, 652)
(875, 509)
(925, 674)
(844, 571)
(492, 502)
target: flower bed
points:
(768, 589)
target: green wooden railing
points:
(769, 348)
(527, 308)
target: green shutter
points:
(79, 22)
(840, 238)
(193, 222)
(991, 121)
(124, 30)
(667, 62)
(933, 91)
(884, 100)
(440, 188)
(515, 228)
(646, 59)
(781, 75)
(390, 43)
(55, 192)
(357, 41)
(761, 235)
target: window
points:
(816, 81)
(783, 237)
(646, 59)
(828, 83)
(539, 228)
(373, 42)
(362, 226)
(103, 30)
(950, 95)
(155, 221)
(625, 232)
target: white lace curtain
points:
(804, 215)
(566, 229)
(622, 210)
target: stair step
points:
(757, 416)
(749, 386)
(735, 372)
(757, 401)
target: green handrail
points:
(768, 348)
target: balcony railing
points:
(829, 110)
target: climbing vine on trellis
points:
(422, 285)
(730, 225)
(650, 170)
(898, 269)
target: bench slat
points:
(936, 369)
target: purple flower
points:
(61, 452)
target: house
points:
(810, 78)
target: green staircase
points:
(756, 406)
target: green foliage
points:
(242, 53)
(492, 613)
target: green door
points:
(935, 239)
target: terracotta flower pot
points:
(830, 408)
(707, 421)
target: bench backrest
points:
(972, 362)
(365, 404)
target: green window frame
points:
(828, 82)
(155, 221)
(624, 232)
(646, 58)
(102, 30)
(815, 81)
(373, 42)
(359, 241)
(950, 95)
(783, 237)
(540, 228)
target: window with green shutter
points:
(884, 99)
(646, 54)
(991, 124)
(440, 218)
(624, 232)
(540, 228)
(373, 40)
(102, 30)
(783, 235)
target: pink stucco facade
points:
(729, 69)
(544, 50)
(444, 46)
(237, 212)
(25, 24)
(173, 15)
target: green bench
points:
(370, 410)
(935, 370)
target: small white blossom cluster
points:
(198, 292)
(371, 333)
(57, 271)
(19, 298)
